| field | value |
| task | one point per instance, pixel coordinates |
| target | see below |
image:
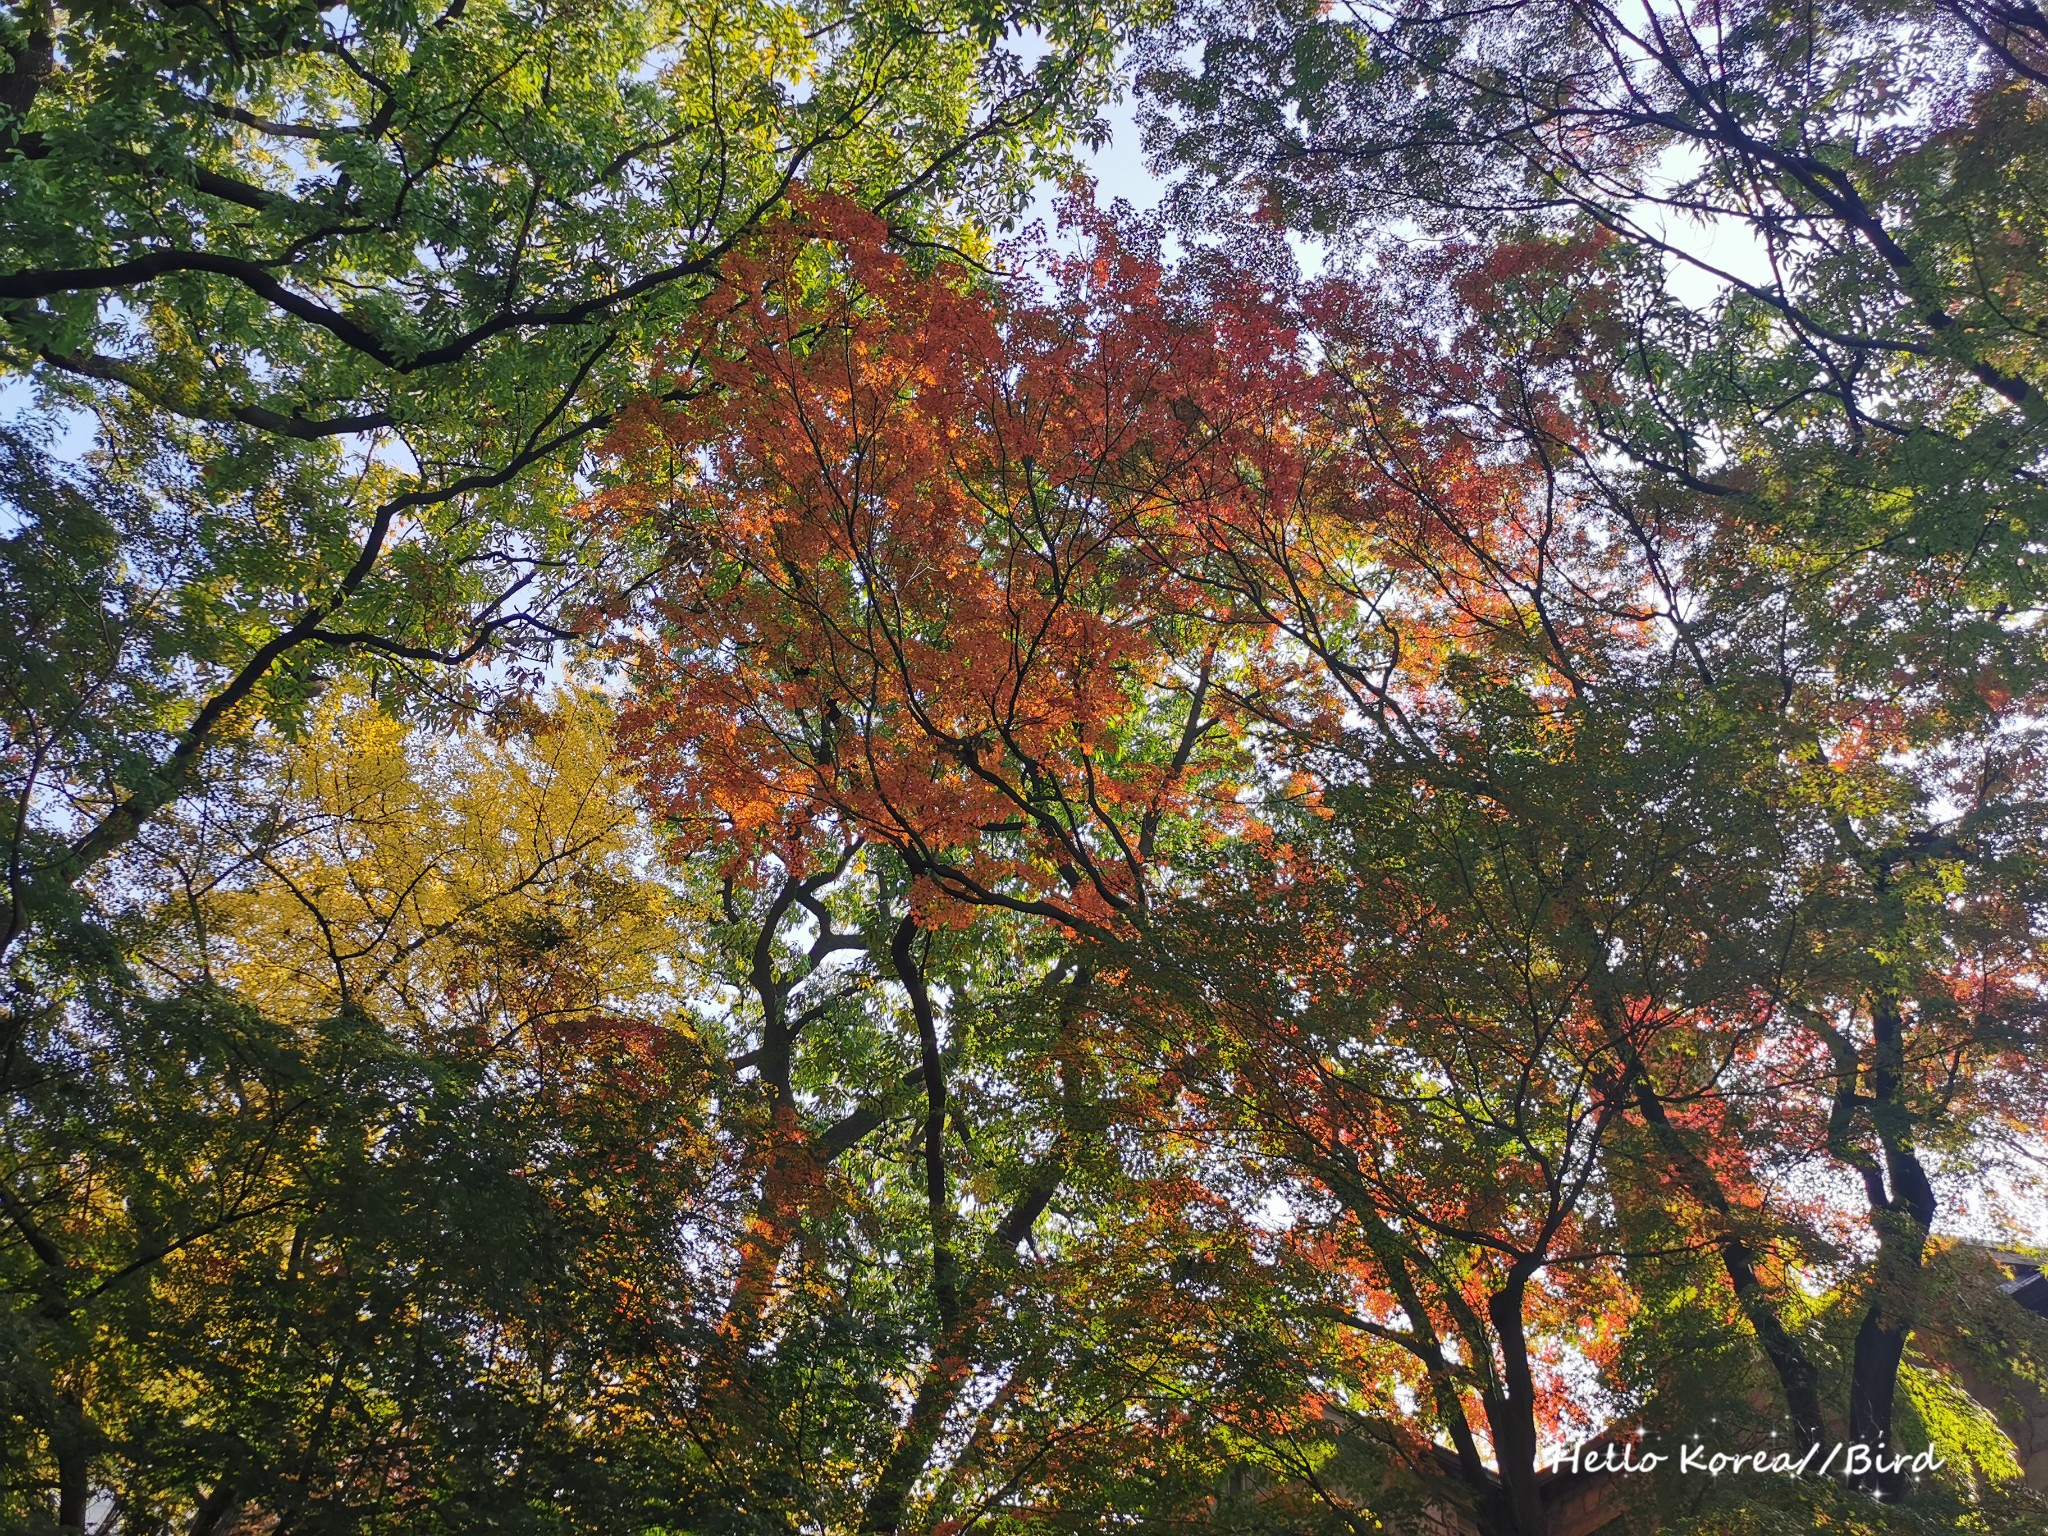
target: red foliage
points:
(929, 572)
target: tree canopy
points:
(699, 841)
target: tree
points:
(1858, 174)
(1194, 898)
(934, 552)
(348, 292)
(919, 586)
(919, 599)
(423, 1154)
(341, 1188)
(1423, 598)
(1858, 392)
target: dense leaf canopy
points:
(697, 842)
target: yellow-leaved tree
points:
(352, 1181)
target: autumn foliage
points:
(932, 572)
(1414, 773)
(692, 849)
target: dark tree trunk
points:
(960, 1292)
(1904, 1214)
(68, 1444)
(936, 1394)
(28, 68)
(1887, 1326)
(214, 1509)
(1512, 1414)
(1873, 1390)
(951, 1361)
(1798, 1378)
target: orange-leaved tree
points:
(925, 574)
(929, 595)
(1051, 595)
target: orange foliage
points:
(927, 551)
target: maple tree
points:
(1779, 277)
(334, 299)
(692, 850)
(921, 585)
(910, 606)
(1420, 599)
(1841, 1039)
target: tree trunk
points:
(1904, 1215)
(1798, 1378)
(1511, 1413)
(951, 1361)
(961, 1298)
(68, 1444)
(951, 1365)
(1873, 1390)
(27, 71)
(214, 1509)
(1889, 1319)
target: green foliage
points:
(1943, 1417)
(1466, 865)
(346, 293)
